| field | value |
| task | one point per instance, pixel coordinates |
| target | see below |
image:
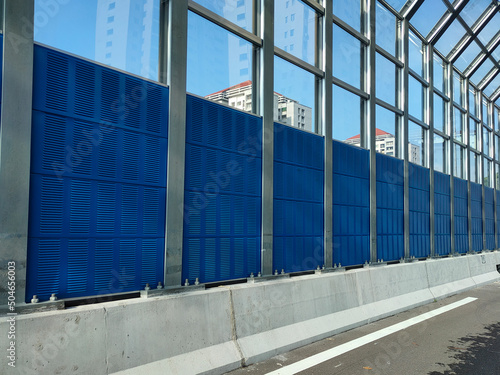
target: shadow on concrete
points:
(475, 355)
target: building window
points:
(291, 47)
(240, 17)
(111, 19)
(111, 6)
(286, 34)
(110, 32)
(108, 55)
(243, 57)
(292, 32)
(244, 72)
(286, 19)
(109, 44)
(292, 17)
(240, 3)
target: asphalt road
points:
(462, 341)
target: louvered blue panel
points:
(461, 216)
(442, 212)
(419, 183)
(477, 216)
(298, 199)
(489, 213)
(98, 179)
(390, 215)
(222, 211)
(351, 205)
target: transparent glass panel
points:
(416, 54)
(439, 71)
(347, 57)
(295, 29)
(473, 10)
(489, 31)
(467, 56)
(416, 149)
(239, 12)
(497, 144)
(472, 101)
(347, 116)
(385, 140)
(497, 176)
(439, 153)
(482, 71)
(416, 99)
(386, 29)
(486, 172)
(224, 76)
(484, 114)
(473, 166)
(439, 113)
(349, 12)
(458, 127)
(473, 134)
(492, 86)
(450, 38)
(385, 80)
(294, 98)
(458, 161)
(396, 4)
(496, 114)
(428, 15)
(457, 89)
(496, 53)
(121, 34)
(486, 141)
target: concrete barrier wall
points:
(216, 330)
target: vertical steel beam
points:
(403, 36)
(449, 129)
(176, 11)
(370, 16)
(429, 56)
(266, 110)
(485, 152)
(326, 119)
(467, 137)
(15, 142)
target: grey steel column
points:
(403, 95)
(429, 55)
(176, 50)
(451, 125)
(483, 213)
(266, 110)
(15, 142)
(467, 136)
(327, 103)
(370, 73)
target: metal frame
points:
(15, 143)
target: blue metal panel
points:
(351, 205)
(461, 215)
(97, 195)
(419, 181)
(442, 212)
(390, 208)
(222, 210)
(477, 216)
(497, 192)
(298, 199)
(489, 213)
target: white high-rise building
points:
(385, 143)
(286, 110)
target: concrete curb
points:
(216, 330)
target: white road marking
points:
(354, 344)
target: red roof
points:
(239, 85)
(377, 133)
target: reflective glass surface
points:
(450, 38)
(416, 149)
(473, 133)
(396, 4)
(349, 12)
(416, 57)
(439, 153)
(121, 34)
(347, 111)
(458, 161)
(295, 90)
(472, 101)
(473, 10)
(490, 30)
(486, 141)
(482, 71)
(386, 142)
(458, 125)
(467, 56)
(427, 16)
(497, 144)
(439, 113)
(239, 12)
(227, 61)
(346, 57)
(457, 88)
(295, 29)
(486, 172)
(385, 80)
(386, 29)
(416, 99)
(473, 166)
(484, 114)
(439, 74)
(492, 86)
